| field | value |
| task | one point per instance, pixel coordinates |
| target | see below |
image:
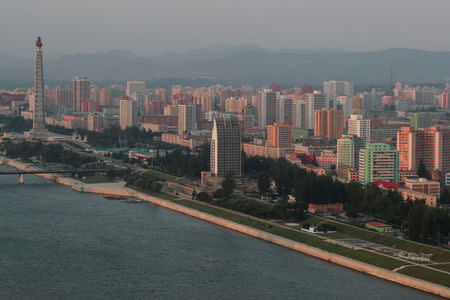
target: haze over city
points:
(154, 27)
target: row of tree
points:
(56, 153)
(112, 136)
(427, 224)
(22, 149)
(145, 182)
(307, 188)
(15, 124)
(183, 162)
(52, 153)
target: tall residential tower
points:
(226, 146)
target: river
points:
(56, 243)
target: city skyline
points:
(309, 139)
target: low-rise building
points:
(252, 149)
(145, 153)
(155, 127)
(325, 208)
(430, 200)
(379, 227)
(404, 174)
(327, 160)
(348, 174)
(185, 140)
(424, 186)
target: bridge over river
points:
(98, 167)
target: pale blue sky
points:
(149, 27)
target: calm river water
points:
(59, 244)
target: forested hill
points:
(243, 64)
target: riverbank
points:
(227, 221)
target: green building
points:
(420, 120)
(378, 162)
(379, 227)
(348, 147)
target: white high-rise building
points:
(360, 127)
(298, 114)
(347, 105)
(348, 147)
(188, 116)
(226, 146)
(80, 92)
(64, 95)
(378, 162)
(267, 112)
(338, 88)
(136, 87)
(128, 112)
(314, 102)
(284, 109)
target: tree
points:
(263, 182)
(110, 174)
(228, 186)
(204, 197)
(422, 171)
(218, 194)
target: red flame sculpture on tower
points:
(38, 42)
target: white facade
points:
(80, 92)
(136, 87)
(128, 113)
(360, 127)
(347, 105)
(284, 109)
(267, 114)
(188, 117)
(298, 115)
(338, 88)
(314, 102)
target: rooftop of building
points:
(387, 185)
(377, 224)
(418, 180)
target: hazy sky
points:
(149, 27)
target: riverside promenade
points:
(120, 190)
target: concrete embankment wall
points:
(315, 252)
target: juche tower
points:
(38, 90)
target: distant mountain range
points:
(245, 64)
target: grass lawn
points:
(97, 179)
(159, 195)
(344, 230)
(427, 274)
(75, 145)
(361, 255)
(445, 267)
(161, 175)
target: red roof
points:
(377, 224)
(387, 185)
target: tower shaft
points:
(38, 91)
